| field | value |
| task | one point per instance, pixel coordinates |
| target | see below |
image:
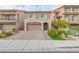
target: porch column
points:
(15, 17)
(41, 25)
(17, 23)
(49, 25)
(25, 26)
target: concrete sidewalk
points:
(38, 46)
(37, 41)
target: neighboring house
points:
(69, 13)
(38, 20)
(10, 19)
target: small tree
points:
(62, 26)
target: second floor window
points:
(8, 17)
(68, 9)
(13, 17)
(75, 9)
(31, 15)
(43, 16)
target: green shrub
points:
(73, 32)
(51, 32)
(13, 30)
(54, 34)
(57, 37)
(7, 33)
(62, 32)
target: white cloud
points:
(7, 7)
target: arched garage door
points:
(34, 26)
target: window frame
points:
(75, 17)
(69, 17)
(33, 17)
(68, 9)
(75, 9)
(44, 16)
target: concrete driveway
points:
(29, 35)
(36, 41)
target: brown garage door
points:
(34, 26)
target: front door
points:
(45, 26)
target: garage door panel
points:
(34, 27)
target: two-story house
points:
(10, 19)
(25, 20)
(38, 20)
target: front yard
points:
(54, 35)
(59, 35)
(62, 31)
(4, 34)
(73, 32)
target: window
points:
(68, 17)
(75, 9)
(43, 16)
(13, 17)
(71, 17)
(75, 18)
(9, 17)
(48, 16)
(31, 15)
(2, 17)
(68, 9)
(6, 17)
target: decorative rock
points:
(0, 31)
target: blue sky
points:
(30, 7)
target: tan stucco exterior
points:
(38, 19)
(61, 10)
(22, 19)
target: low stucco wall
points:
(74, 27)
(8, 27)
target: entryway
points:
(45, 26)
